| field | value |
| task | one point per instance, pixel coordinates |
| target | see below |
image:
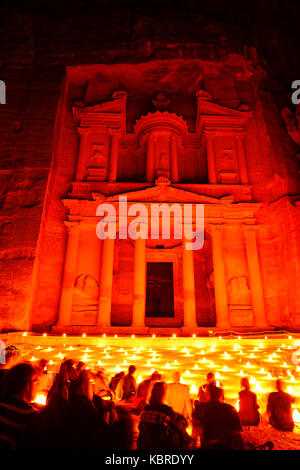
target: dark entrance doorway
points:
(160, 293)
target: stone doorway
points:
(160, 290)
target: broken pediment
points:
(109, 112)
(210, 114)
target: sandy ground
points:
(257, 435)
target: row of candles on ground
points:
(261, 362)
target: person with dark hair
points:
(144, 392)
(160, 426)
(92, 430)
(9, 358)
(70, 424)
(248, 407)
(203, 393)
(126, 388)
(61, 382)
(145, 387)
(16, 410)
(122, 429)
(80, 367)
(279, 408)
(200, 405)
(221, 427)
(115, 380)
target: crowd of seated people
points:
(84, 412)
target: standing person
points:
(178, 397)
(160, 426)
(279, 408)
(126, 388)
(248, 407)
(16, 410)
(221, 427)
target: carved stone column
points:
(255, 276)
(211, 162)
(219, 277)
(69, 276)
(174, 159)
(150, 157)
(189, 303)
(242, 159)
(106, 281)
(114, 151)
(139, 286)
(88, 264)
(82, 153)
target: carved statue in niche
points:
(86, 293)
(161, 101)
(226, 160)
(292, 123)
(163, 161)
(239, 291)
(97, 159)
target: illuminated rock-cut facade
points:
(180, 146)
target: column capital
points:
(215, 229)
(249, 229)
(209, 134)
(176, 138)
(149, 137)
(72, 226)
(114, 132)
(84, 130)
(239, 134)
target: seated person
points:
(248, 411)
(70, 424)
(178, 397)
(101, 389)
(115, 380)
(9, 357)
(221, 427)
(126, 388)
(203, 393)
(200, 404)
(144, 392)
(62, 381)
(145, 387)
(279, 408)
(16, 410)
(160, 426)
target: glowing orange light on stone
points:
(40, 399)
(296, 416)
